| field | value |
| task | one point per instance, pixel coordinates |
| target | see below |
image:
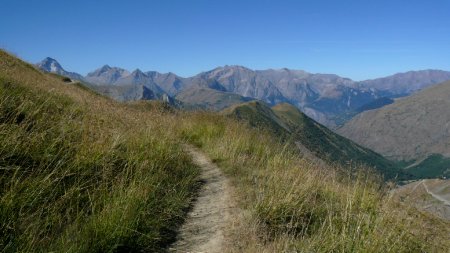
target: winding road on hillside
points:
(446, 202)
(206, 226)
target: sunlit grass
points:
(82, 173)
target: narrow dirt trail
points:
(206, 225)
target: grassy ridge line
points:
(292, 125)
(333, 147)
(81, 173)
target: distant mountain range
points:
(403, 84)
(327, 98)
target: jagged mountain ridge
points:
(167, 82)
(138, 77)
(106, 75)
(402, 84)
(323, 97)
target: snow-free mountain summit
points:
(327, 98)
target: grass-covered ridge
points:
(293, 126)
(81, 173)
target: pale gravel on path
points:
(206, 225)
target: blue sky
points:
(359, 39)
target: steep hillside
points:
(288, 122)
(80, 172)
(209, 99)
(412, 128)
(341, 119)
(259, 115)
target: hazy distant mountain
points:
(106, 75)
(402, 84)
(129, 92)
(416, 127)
(327, 98)
(240, 80)
(52, 66)
(123, 85)
(169, 82)
(320, 96)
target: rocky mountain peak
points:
(50, 65)
(105, 67)
(138, 73)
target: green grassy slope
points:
(287, 121)
(82, 173)
(258, 114)
(333, 147)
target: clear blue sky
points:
(359, 39)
